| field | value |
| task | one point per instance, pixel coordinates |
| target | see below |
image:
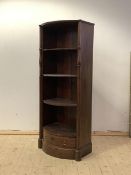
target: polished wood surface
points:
(86, 65)
(60, 49)
(66, 59)
(59, 75)
(59, 152)
(59, 102)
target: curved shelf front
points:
(61, 49)
(59, 75)
(60, 102)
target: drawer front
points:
(64, 153)
(63, 142)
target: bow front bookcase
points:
(66, 61)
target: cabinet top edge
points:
(65, 21)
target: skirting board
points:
(18, 132)
(110, 133)
(94, 133)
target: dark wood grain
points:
(57, 151)
(62, 62)
(86, 65)
(63, 142)
(60, 36)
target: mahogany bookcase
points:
(66, 61)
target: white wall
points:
(19, 56)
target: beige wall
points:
(19, 56)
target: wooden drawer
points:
(59, 140)
(64, 153)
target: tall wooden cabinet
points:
(66, 59)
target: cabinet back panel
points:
(60, 88)
(49, 63)
(60, 36)
(50, 88)
(67, 116)
(49, 114)
(67, 88)
(64, 115)
(63, 62)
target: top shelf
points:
(64, 22)
(60, 49)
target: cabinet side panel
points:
(41, 81)
(86, 65)
(40, 89)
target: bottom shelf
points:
(60, 129)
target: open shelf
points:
(60, 36)
(59, 75)
(65, 116)
(60, 62)
(59, 102)
(59, 89)
(60, 130)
